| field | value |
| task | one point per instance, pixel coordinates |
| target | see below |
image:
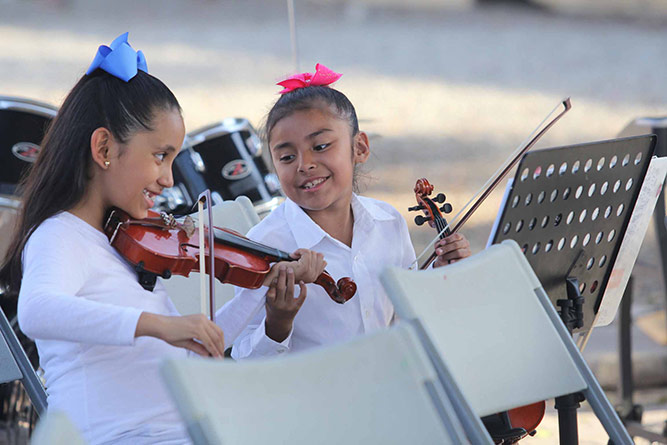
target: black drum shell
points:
(23, 124)
(233, 164)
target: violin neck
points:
(440, 224)
(250, 245)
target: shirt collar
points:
(307, 233)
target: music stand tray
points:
(569, 208)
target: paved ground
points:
(446, 94)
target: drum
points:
(23, 123)
(225, 157)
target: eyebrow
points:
(168, 148)
(312, 135)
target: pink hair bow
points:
(323, 76)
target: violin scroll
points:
(340, 291)
(432, 212)
(347, 288)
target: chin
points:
(313, 206)
(137, 213)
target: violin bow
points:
(496, 178)
(206, 309)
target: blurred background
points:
(446, 90)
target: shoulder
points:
(380, 207)
(64, 233)
(381, 211)
(384, 216)
(55, 229)
(272, 226)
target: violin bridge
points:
(188, 226)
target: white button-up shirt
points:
(380, 239)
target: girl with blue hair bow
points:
(99, 333)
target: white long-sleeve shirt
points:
(380, 239)
(80, 302)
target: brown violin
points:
(161, 245)
(515, 423)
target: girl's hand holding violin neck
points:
(194, 332)
(451, 249)
(308, 267)
(281, 306)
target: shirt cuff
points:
(264, 346)
(128, 325)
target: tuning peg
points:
(421, 219)
(412, 209)
(447, 208)
(440, 197)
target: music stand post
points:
(569, 208)
(30, 380)
(629, 412)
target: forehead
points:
(168, 129)
(302, 123)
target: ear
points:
(361, 148)
(100, 143)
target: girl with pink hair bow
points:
(315, 143)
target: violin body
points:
(169, 251)
(528, 417)
(164, 247)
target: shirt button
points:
(367, 313)
(281, 350)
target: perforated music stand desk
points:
(569, 207)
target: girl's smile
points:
(312, 185)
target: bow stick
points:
(206, 309)
(495, 179)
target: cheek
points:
(284, 173)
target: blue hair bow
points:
(119, 59)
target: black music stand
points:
(569, 208)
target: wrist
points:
(277, 331)
(149, 325)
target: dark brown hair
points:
(59, 178)
(307, 98)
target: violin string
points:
(521, 146)
(241, 242)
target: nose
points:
(166, 179)
(306, 161)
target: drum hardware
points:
(27, 106)
(197, 161)
(8, 203)
(173, 198)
